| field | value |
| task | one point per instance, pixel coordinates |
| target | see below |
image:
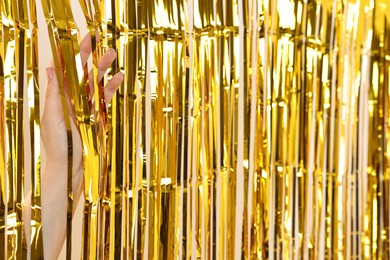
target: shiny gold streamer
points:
(243, 129)
(20, 142)
(36, 243)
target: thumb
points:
(53, 130)
(52, 107)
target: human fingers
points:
(52, 107)
(105, 62)
(85, 49)
(112, 86)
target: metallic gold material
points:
(20, 138)
(36, 245)
(256, 129)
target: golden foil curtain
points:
(19, 130)
(243, 129)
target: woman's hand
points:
(55, 151)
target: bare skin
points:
(55, 152)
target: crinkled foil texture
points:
(243, 129)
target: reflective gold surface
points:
(243, 129)
(20, 138)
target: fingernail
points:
(50, 73)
